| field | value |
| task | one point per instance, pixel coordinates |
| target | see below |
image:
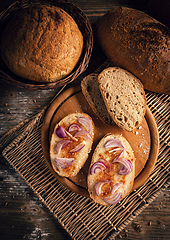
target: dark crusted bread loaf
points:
(91, 91)
(137, 42)
(124, 97)
(41, 43)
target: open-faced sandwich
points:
(112, 170)
(71, 143)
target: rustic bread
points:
(71, 143)
(124, 97)
(109, 157)
(91, 91)
(41, 43)
(137, 42)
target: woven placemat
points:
(79, 215)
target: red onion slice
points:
(114, 143)
(116, 187)
(127, 165)
(97, 167)
(86, 122)
(98, 186)
(60, 132)
(77, 148)
(100, 165)
(61, 145)
(64, 162)
(69, 134)
(114, 197)
(74, 127)
(83, 134)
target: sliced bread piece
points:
(124, 97)
(112, 170)
(91, 91)
(71, 143)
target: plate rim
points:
(138, 181)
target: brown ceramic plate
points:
(144, 140)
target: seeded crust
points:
(135, 41)
(91, 91)
(114, 177)
(79, 157)
(42, 43)
(124, 97)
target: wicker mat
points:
(79, 215)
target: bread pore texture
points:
(124, 97)
(91, 91)
(41, 43)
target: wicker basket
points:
(84, 26)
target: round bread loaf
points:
(135, 41)
(41, 43)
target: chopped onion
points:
(97, 167)
(113, 197)
(100, 165)
(69, 134)
(115, 187)
(98, 186)
(108, 164)
(64, 162)
(114, 143)
(60, 132)
(61, 145)
(86, 122)
(127, 165)
(74, 127)
(77, 148)
(83, 134)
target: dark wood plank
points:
(22, 215)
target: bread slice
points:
(91, 91)
(124, 97)
(71, 143)
(113, 151)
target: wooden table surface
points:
(22, 215)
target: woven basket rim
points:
(84, 26)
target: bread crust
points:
(81, 156)
(42, 43)
(113, 175)
(91, 91)
(137, 42)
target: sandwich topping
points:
(113, 158)
(71, 140)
